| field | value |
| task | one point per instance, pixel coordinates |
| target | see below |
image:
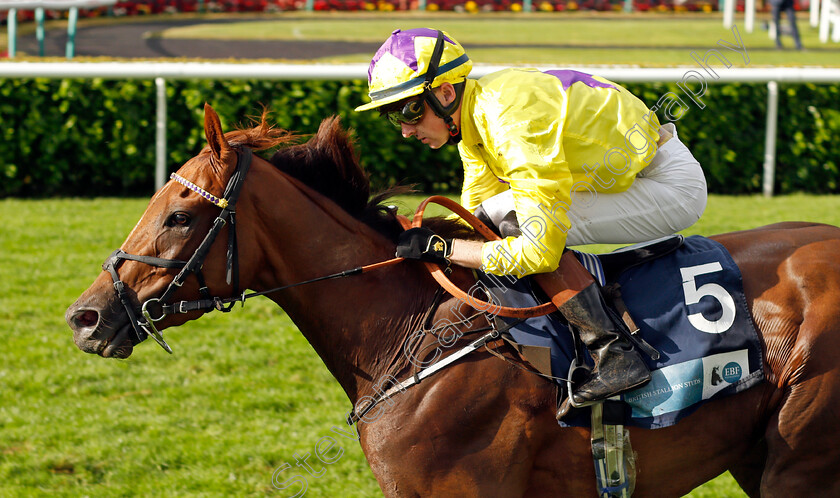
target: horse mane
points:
(327, 163)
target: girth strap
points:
(495, 333)
(415, 379)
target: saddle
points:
(611, 450)
(617, 262)
(605, 268)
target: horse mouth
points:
(101, 333)
(119, 345)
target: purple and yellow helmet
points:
(401, 65)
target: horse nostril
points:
(86, 319)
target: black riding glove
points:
(425, 245)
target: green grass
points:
(559, 38)
(554, 29)
(242, 394)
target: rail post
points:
(72, 17)
(39, 30)
(160, 134)
(770, 139)
(11, 24)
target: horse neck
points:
(357, 325)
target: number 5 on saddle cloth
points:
(688, 304)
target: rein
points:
(440, 276)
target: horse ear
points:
(213, 132)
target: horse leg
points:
(749, 470)
(803, 453)
(803, 446)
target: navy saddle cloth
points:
(689, 305)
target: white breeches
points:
(666, 197)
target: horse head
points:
(152, 268)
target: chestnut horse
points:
(483, 426)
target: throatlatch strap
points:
(226, 216)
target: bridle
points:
(146, 327)
(156, 309)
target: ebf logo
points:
(732, 372)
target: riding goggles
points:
(411, 113)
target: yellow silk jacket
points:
(555, 138)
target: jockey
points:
(553, 159)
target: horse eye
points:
(179, 219)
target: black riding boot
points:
(618, 367)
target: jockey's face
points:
(431, 129)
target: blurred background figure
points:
(787, 6)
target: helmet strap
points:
(443, 112)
